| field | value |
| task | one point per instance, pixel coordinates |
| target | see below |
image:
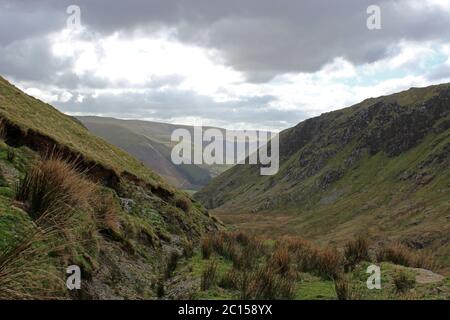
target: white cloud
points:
(138, 61)
(46, 96)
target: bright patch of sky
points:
(157, 66)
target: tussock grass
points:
(107, 213)
(25, 268)
(403, 281)
(53, 185)
(295, 244)
(329, 263)
(184, 203)
(325, 262)
(56, 194)
(265, 283)
(206, 247)
(271, 270)
(209, 275)
(239, 248)
(356, 251)
(230, 279)
(344, 289)
(281, 259)
(400, 254)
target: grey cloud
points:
(169, 104)
(440, 73)
(21, 20)
(32, 60)
(264, 38)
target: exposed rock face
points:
(386, 125)
(375, 158)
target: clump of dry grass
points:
(255, 275)
(295, 244)
(403, 282)
(281, 259)
(54, 186)
(241, 238)
(306, 258)
(356, 251)
(224, 245)
(209, 275)
(325, 262)
(400, 254)
(184, 203)
(107, 213)
(220, 243)
(206, 247)
(230, 279)
(344, 289)
(239, 248)
(265, 283)
(329, 263)
(60, 201)
(259, 275)
(25, 270)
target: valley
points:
(350, 194)
(380, 168)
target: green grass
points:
(32, 114)
(131, 257)
(312, 287)
(373, 195)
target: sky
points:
(247, 64)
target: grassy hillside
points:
(238, 266)
(68, 197)
(135, 237)
(381, 167)
(150, 143)
(32, 115)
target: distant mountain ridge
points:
(380, 167)
(150, 143)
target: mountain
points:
(380, 167)
(150, 142)
(74, 206)
(69, 198)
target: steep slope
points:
(150, 143)
(39, 125)
(124, 228)
(380, 167)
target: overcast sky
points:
(252, 64)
